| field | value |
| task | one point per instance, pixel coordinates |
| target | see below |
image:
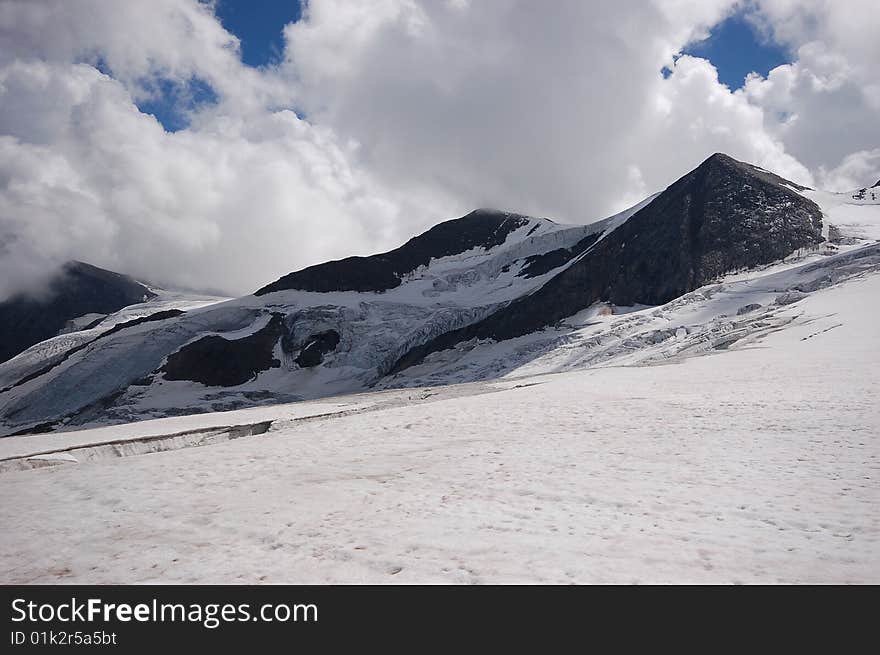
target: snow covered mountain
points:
(710, 261)
(755, 462)
(78, 295)
(684, 392)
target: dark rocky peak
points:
(876, 184)
(113, 287)
(78, 289)
(725, 164)
(484, 228)
(723, 216)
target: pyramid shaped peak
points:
(720, 159)
(720, 156)
(723, 163)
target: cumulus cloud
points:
(823, 106)
(415, 111)
(226, 207)
(508, 103)
(142, 42)
(857, 170)
(248, 193)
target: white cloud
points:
(824, 105)
(857, 170)
(84, 174)
(140, 41)
(701, 114)
(416, 111)
(561, 112)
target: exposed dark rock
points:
(544, 263)
(218, 362)
(157, 316)
(876, 184)
(41, 428)
(724, 215)
(317, 345)
(536, 265)
(754, 171)
(78, 289)
(484, 227)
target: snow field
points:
(756, 464)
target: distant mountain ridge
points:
(78, 289)
(355, 323)
(722, 216)
(484, 228)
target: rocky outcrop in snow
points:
(484, 228)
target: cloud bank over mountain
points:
(383, 118)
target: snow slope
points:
(447, 293)
(413, 316)
(856, 218)
(45, 352)
(101, 376)
(740, 309)
(757, 462)
(730, 435)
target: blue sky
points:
(734, 47)
(258, 24)
(171, 102)
(736, 50)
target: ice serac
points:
(723, 216)
(484, 228)
(77, 290)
